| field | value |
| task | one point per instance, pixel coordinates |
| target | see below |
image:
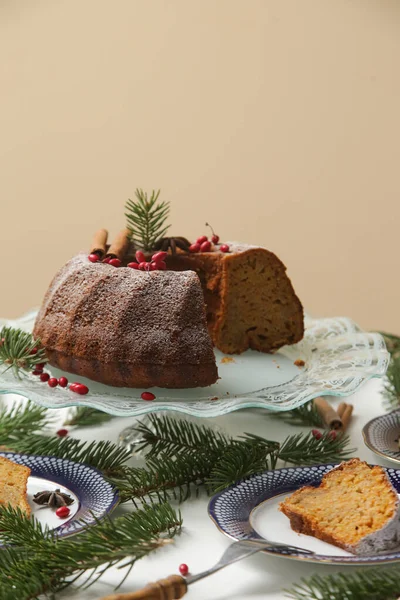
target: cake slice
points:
(355, 507)
(13, 484)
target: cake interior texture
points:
(13, 484)
(352, 502)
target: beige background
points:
(276, 120)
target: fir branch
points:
(19, 351)
(302, 415)
(20, 422)
(84, 416)
(38, 562)
(103, 455)
(146, 218)
(391, 392)
(164, 479)
(371, 584)
(170, 437)
(305, 449)
(392, 342)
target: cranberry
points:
(332, 435)
(317, 434)
(52, 382)
(79, 388)
(194, 247)
(62, 432)
(162, 266)
(94, 258)
(147, 396)
(205, 247)
(224, 248)
(40, 366)
(44, 377)
(215, 237)
(153, 266)
(159, 256)
(133, 265)
(107, 260)
(63, 381)
(63, 512)
(201, 239)
(140, 257)
(33, 351)
(183, 569)
(115, 262)
(142, 266)
(37, 372)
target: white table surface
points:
(200, 545)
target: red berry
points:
(40, 366)
(94, 258)
(63, 381)
(37, 372)
(115, 262)
(183, 569)
(52, 382)
(44, 377)
(162, 266)
(147, 396)
(201, 239)
(79, 388)
(133, 265)
(224, 248)
(63, 512)
(194, 247)
(33, 351)
(332, 435)
(153, 266)
(140, 257)
(62, 432)
(107, 260)
(2, 341)
(142, 266)
(159, 256)
(205, 247)
(317, 434)
(215, 239)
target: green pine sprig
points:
(307, 414)
(85, 416)
(146, 218)
(38, 562)
(392, 342)
(391, 392)
(370, 584)
(20, 422)
(19, 351)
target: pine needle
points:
(84, 416)
(305, 449)
(391, 392)
(146, 219)
(20, 422)
(19, 351)
(302, 415)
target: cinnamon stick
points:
(328, 414)
(99, 243)
(346, 417)
(120, 245)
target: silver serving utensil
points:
(175, 586)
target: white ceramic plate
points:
(339, 357)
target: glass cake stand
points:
(339, 357)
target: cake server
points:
(175, 586)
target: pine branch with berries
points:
(146, 218)
(20, 351)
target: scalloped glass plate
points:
(339, 357)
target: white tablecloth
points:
(200, 545)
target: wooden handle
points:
(171, 588)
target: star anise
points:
(53, 498)
(172, 242)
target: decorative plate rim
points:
(341, 358)
(86, 515)
(391, 557)
(367, 439)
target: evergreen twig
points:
(391, 391)
(85, 416)
(371, 584)
(20, 422)
(19, 351)
(305, 449)
(38, 562)
(302, 415)
(146, 218)
(392, 342)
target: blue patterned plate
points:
(381, 435)
(249, 509)
(93, 496)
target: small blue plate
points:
(250, 509)
(93, 496)
(381, 435)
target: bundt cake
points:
(355, 508)
(125, 327)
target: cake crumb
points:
(299, 362)
(227, 359)
(214, 398)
